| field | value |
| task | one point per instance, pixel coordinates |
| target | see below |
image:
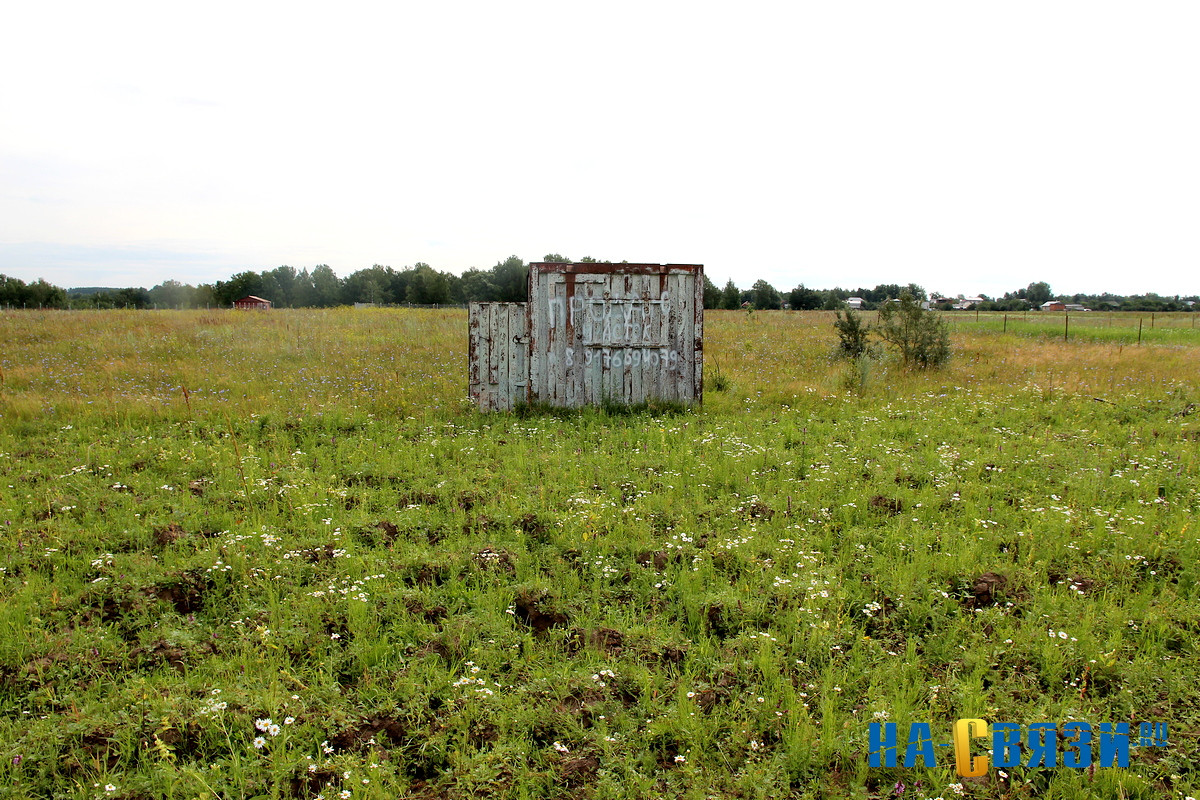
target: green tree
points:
(132, 297)
(475, 285)
(237, 287)
(16, 293)
(511, 279)
(852, 334)
(327, 287)
(731, 295)
(46, 295)
(920, 337)
(555, 258)
(802, 298)
(373, 285)
(712, 295)
(427, 286)
(1038, 293)
(764, 295)
(172, 294)
(270, 289)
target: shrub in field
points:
(919, 336)
(852, 333)
(856, 375)
(718, 380)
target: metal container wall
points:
(625, 333)
(592, 333)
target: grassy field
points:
(280, 555)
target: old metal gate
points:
(590, 333)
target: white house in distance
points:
(855, 302)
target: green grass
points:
(605, 603)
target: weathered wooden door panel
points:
(498, 354)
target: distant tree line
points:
(421, 284)
(15, 293)
(287, 287)
(762, 295)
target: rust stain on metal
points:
(589, 333)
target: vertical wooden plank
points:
(554, 365)
(562, 342)
(612, 374)
(678, 336)
(537, 362)
(680, 316)
(500, 350)
(583, 372)
(698, 335)
(626, 289)
(584, 322)
(637, 392)
(571, 354)
(594, 299)
(546, 348)
(545, 344)
(473, 313)
(690, 279)
(509, 354)
(493, 369)
(518, 354)
(669, 331)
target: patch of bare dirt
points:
(578, 771)
(659, 559)
(491, 559)
(535, 611)
(185, 592)
(169, 535)
(887, 505)
(373, 731)
(163, 652)
(986, 590)
(429, 613)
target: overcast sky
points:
(968, 147)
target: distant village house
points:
(250, 301)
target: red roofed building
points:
(250, 301)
